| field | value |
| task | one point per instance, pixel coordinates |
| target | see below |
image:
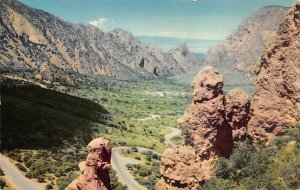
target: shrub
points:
(134, 149)
(275, 166)
(41, 179)
(21, 167)
(2, 183)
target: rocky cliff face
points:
(37, 41)
(212, 123)
(276, 102)
(243, 48)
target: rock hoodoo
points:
(276, 102)
(212, 123)
(94, 171)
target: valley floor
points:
(142, 114)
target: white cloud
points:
(99, 22)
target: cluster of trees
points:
(150, 155)
(276, 166)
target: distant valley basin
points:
(196, 46)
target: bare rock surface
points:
(35, 41)
(94, 171)
(180, 169)
(276, 102)
(237, 108)
(215, 121)
(211, 125)
(243, 48)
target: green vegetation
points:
(147, 171)
(46, 130)
(142, 110)
(276, 166)
(34, 117)
(178, 140)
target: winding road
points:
(168, 137)
(16, 178)
(119, 162)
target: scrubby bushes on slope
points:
(275, 166)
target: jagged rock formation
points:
(94, 171)
(51, 48)
(182, 54)
(276, 102)
(243, 48)
(215, 121)
(212, 123)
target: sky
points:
(186, 19)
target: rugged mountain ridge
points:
(276, 102)
(243, 48)
(37, 41)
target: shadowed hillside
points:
(35, 117)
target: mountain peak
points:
(45, 45)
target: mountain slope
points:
(35, 117)
(236, 56)
(41, 43)
(243, 48)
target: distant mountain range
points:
(50, 49)
(36, 44)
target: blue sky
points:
(187, 19)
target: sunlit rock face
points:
(40, 43)
(211, 124)
(94, 171)
(276, 102)
(215, 121)
(243, 48)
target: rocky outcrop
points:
(211, 124)
(182, 55)
(214, 121)
(180, 169)
(94, 171)
(243, 48)
(276, 102)
(236, 109)
(40, 43)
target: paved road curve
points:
(119, 165)
(119, 162)
(15, 177)
(168, 137)
(20, 182)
